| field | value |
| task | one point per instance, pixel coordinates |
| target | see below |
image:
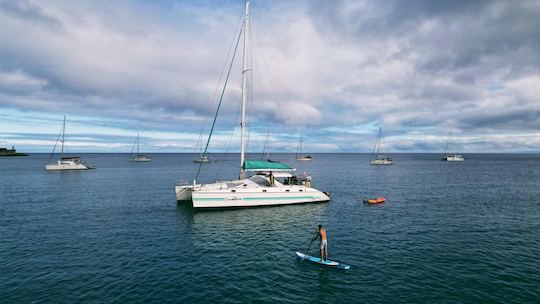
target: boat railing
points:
(182, 182)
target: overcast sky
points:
(334, 70)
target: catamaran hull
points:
(453, 159)
(55, 167)
(381, 162)
(183, 193)
(250, 199)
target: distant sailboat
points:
(299, 155)
(449, 154)
(200, 157)
(380, 157)
(66, 162)
(138, 157)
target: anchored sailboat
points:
(379, 157)
(66, 162)
(272, 183)
(299, 155)
(449, 154)
(199, 157)
(138, 157)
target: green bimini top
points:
(263, 165)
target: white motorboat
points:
(379, 155)
(449, 154)
(138, 157)
(66, 162)
(271, 183)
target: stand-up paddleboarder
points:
(323, 245)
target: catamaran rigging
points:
(264, 187)
(379, 155)
(138, 157)
(65, 162)
(449, 152)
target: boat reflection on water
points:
(250, 229)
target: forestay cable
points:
(220, 101)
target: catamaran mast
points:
(137, 144)
(63, 133)
(245, 71)
(299, 148)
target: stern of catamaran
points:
(183, 191)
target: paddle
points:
(307, 250)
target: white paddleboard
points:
(329, 263)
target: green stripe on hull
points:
(209, 199)
(254, 198)
(275, 198)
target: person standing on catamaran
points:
(321, 234)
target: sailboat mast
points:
(63, 134)
(137, 144)
(301, 143)
(268, 147)
(379, 143)
(297, 149)
(447, 148)
(245, 71)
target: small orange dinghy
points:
(378, 200)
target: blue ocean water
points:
(448, 233)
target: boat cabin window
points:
(233, 190)
(295, 180)
(260, 180)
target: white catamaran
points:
(380, 157)
(299, 155)
(138, 157)
(66, 162)
(449, 154)
(272, 183)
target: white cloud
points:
(323, 66)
